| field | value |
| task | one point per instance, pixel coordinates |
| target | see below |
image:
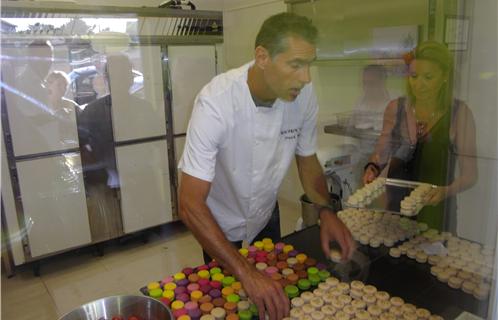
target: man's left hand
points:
(332, 228)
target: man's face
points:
(288, 72)
(40, 60)
(372, 83)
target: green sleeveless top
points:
(433, 161)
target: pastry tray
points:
(390, 198)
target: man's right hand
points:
(266, 294)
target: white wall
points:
(477, 207)
(241, 21)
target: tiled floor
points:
(72, 279)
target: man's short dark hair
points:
(276, 29)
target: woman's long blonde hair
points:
(439, 54)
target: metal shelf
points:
(22, 9)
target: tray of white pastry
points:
(334, 299)
(460, 263)
(376, 228)
(391, 195)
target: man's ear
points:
(262, 57)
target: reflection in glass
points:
(369, 109)
(427, 133)
(41, 118)
(38, 61)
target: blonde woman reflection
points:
(427, 133)
(56, 84)
(64, 109)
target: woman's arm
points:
(463, 136)
(465, 140)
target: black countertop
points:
(401, 277)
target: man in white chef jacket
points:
(246, 127)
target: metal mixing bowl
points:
(145, 308)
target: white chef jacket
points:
(244, 150)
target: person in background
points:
(31, 66)
(368, 113)
(246, 126)
(427, 133)
(35, 104)
(98, 143)
(64, 109)
(57, 83)
(369, 110)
